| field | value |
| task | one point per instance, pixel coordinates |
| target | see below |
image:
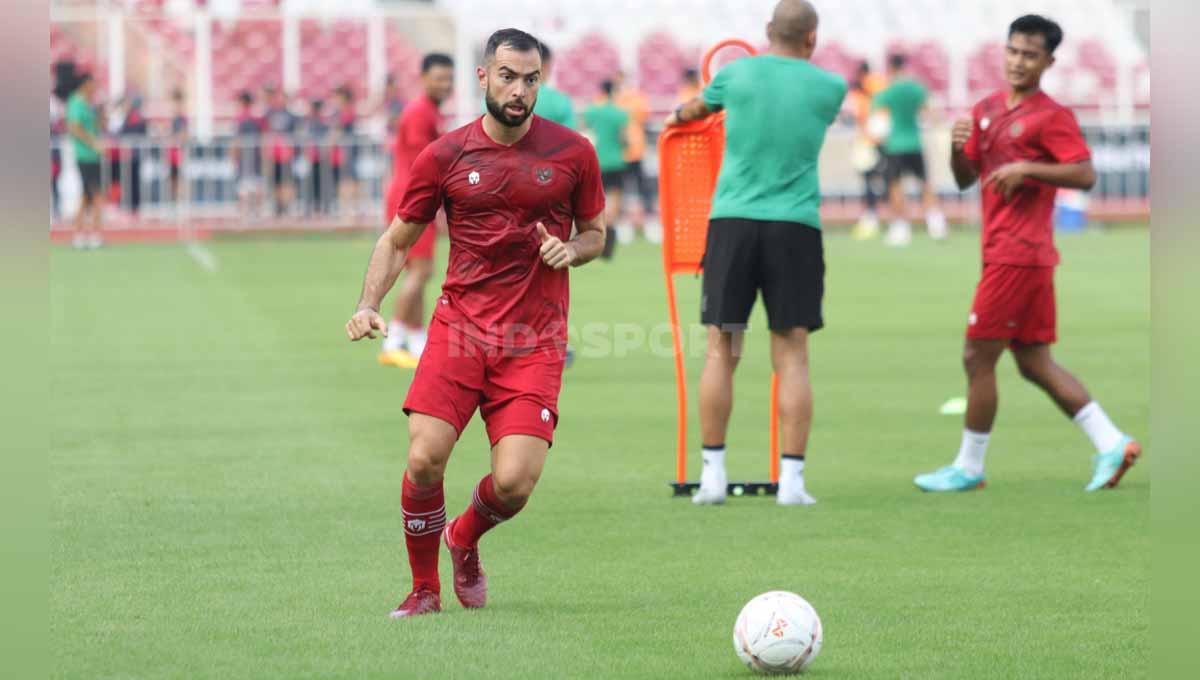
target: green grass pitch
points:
(225, 481)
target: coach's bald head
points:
(794, 26)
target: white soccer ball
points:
(777, 632)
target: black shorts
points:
(900, 164)
(612, 179)
(89, 173)
(786, 260)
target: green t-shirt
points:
(777, 110)
(80, 112)
(607, 122)
(903, 99)
(554, 105)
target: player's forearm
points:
(587, 246)
(387, 261)
(965, 170)
(1066, 175)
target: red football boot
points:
(422, 600)
(470, 583)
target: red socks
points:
(424, 518)
(485, 511)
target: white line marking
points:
(203, 256)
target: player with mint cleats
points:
(765, 233)
(1023, 145)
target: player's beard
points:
(506, 119)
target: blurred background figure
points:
(280, 127)
(83, 126)
(634, 103)
(346, 151)
(552, 103)
(609, 125)
(689, 86)
(134, 135)
(319, 189)
(904, 99)
(866, 154)
(393, 103)
(176, 151)
(247, 152)
(58, 129)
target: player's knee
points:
(1033, 371)
(514, 488)
(425, 464)
(976, 363)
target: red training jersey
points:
(1039, 129)
(419, 125)
(497, 288)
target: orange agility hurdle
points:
(689, 160)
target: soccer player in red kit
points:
(511, 184)
(419, 125)
(1024, 145)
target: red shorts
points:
(516, 392)
(1014, 303)
(423, 248)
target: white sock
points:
(971, 452)
(417, 337)
(714, 464)
(1095, 424)
(395, 337)
(791, 473)
(935, 222)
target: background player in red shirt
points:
(420, 124)
(1024, 145)
(511, 185)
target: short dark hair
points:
(1035, 24)
(547, 54)
(245, 98)
(435, 59)
(897, 61)
(607, 86)
(513, 38)
(690, 74)
(84, 78)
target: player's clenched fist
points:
(555, 253)
(364, 323)
(961, 133)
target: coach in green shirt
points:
(764, 233)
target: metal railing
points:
(237, 182)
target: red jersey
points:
(1021, 230)
(420, 123)
(497, 288)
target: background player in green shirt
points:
(765, 233)
(85, 140)
(607, 122)
(904, 99)
(553, 104)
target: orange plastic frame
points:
(689, 162)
